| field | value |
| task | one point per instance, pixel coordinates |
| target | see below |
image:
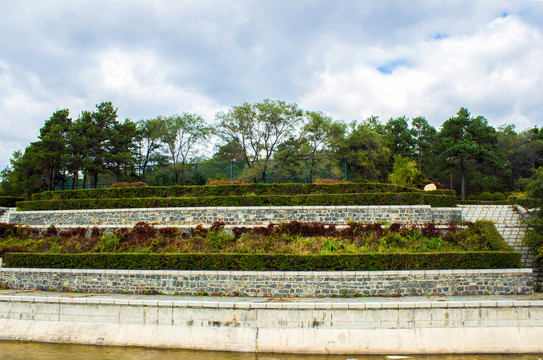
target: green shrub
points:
(483, 236)
(220, 190)
(109, 243)
(263, 262)
(382, 198)
(9, 201)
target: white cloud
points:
(19, 108)
(496, 72)
(139, 82)
(350, 59)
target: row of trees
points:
(466, 153)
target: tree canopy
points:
(272, 141)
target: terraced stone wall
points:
(508, 222)
(275, 283)
(240, 216)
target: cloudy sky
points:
(349, 58)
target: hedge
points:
(409, 198)
(9, 201)
(482, 202)
(525, 202)
(264, 262)
(222, 190)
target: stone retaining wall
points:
(508, 222)
(240, 216)
(506, 219)
(275, 283)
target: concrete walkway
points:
(535, 300)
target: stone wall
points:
(509, 225)
(275, 283)
(506, 219)
(418, 214)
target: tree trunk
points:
(95, 180)
(462, 179)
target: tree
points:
(121, 148)
(52, 144)
(228, 152)
(534, 234)
(365, 153)
(523, 152)
(182, 133)
(149, 134)
(423, 138)
(463, 138)
(41, 164)
(405, 173)
(258, 129)
(399, 138)
(320, 133)
(96, 143)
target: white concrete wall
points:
(306, 326)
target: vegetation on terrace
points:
(403, 246)
(272, 141)
(238, 195)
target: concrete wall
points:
(257, 325)
(275, 283)
(4, 215)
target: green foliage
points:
(486, 198)
(423, 141)
(270, 141)
(404, 173)
(109, 243)
(534, 234)
(534, 188)
(285, 238)
(366, 153)
(226, 190)
(483, 236)
(262, 262)
(9, 201)
(256, 130)
(463, 139)
(409, 198)
(399, 138)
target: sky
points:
(350, 59)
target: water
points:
(14, 350)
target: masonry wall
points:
(275, 283)
(506, 219)
(509, 225)
(240, 216)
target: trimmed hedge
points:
(9, 201)
(222, 190)
(481, 202)
(263, 262)
(409, 198)
(527, 203)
